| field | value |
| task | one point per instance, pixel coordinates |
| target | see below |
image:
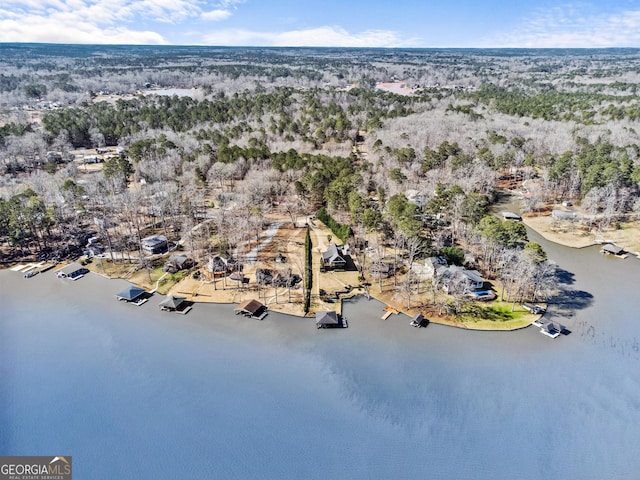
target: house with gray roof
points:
(455, 279)
(333, 257)
(155, 244)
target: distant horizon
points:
(535, 24)
(320, 47)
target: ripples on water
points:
(213, 395)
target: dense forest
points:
(307, 130)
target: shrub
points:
(340, 230)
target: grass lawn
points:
(138, 276)
(496, 316)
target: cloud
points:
(572, 26)
(45, 30)
(216, 15)
(98, 21)
(325, 36)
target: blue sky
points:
(357, 23)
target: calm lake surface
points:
(131, 392)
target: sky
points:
(333, 23)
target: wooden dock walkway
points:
(389, 311)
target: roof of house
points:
(179, 259)
(333, 254)
(327, 318)
(249, 306)
(473, 275)
(154, 240)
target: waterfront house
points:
(252, 309)
(177, 263)
(476, 281)
(456, 279)
(431, 266)
(381, 269)
(333, 257)
(155, 244)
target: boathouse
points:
(252, 309)
(327, 319)
(175, 304)
(419, 321)
(132, 294)
(552, 329)
(73, 271)
(611, 249)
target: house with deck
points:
(333, 257)
(381, 270)
(178, 262)
(155, 244)
(455, 279)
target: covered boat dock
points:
(612, 249)
(330, 319)
(252, 309)
(134, 295)
(175, 304)
(419, 321)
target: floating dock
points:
(389, 311)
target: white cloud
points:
(216, 15)
(51, 31)
(325, 36)
(96, 21)
(572, 26)
(225, 4)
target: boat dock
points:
(31, 269)
(549, 328)
(389, 311)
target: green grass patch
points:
(170, 280)
(495, 316)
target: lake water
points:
(131, 392)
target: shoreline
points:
(235, 296)
(627, 237)
(294, 309)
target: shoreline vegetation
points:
(300, 177)
(496, 316)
